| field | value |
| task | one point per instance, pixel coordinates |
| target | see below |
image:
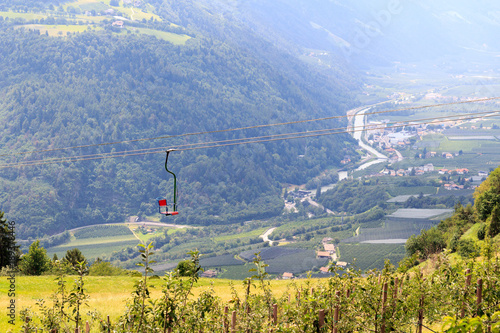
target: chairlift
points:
(162, 202)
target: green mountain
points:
(109, 85)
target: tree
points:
(494, 226)
(428, 242)
(8, 247)
(104, 268)
(36, 261)
(186, 268)
(487, 195)
(318, 192)
(74, 257)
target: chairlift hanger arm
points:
(175, 178)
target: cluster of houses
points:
(329, 252)
(430, 154)
(420, 170)
(209, 273)
(429, 167)
(473, 180)
(417, 171)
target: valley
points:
(144, 76)
(366, 238)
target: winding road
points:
(357, 132)
(265, 236)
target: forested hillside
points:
(98, 87)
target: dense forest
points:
(98, 87)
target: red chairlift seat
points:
(163, 208)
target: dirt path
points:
(265, 236)
(314, 203)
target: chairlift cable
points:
(245, 128)
(234, 142)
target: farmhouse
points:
(118, 24)
(428, 167)
(482, 174)
(209, 273)
(324, 270)
(287, 276)
(330, 248)
(345, 161)
(299, 193)
(323, 255)
(341, 264)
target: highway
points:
(357, 132)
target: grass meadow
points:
(108, 295)
(164, 35)
(26, 16)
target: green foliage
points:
(494, 222)
(432, 202)
(449, 231)
(104, 268)
(36, 261)
(467, 248)
(354, 197)
(185, 268)
(441, 297)
(74, 257)
(481, 232)
(428, 242)
(487, 195)
(77, 296)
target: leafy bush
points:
(104, 268)
(428, 242)
(481, 232)
(467, 248)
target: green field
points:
(108, 295)
(104, 230)
(370, 256)
(97, 241)
(94, 250)
(251, 234)
(26, 16)
(164, 35)
(136, 14)
(414, 213)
